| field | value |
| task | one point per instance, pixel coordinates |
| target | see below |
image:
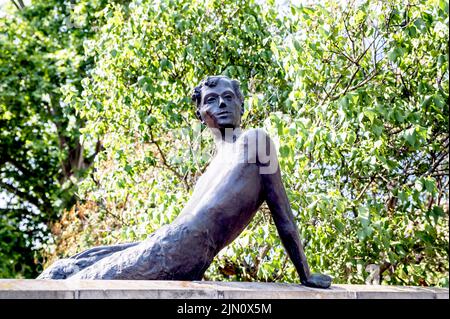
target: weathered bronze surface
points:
(243, 174)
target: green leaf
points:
(410, 136)
(284, 151)
(370, 114)
(418, 185)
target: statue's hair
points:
(211, 81)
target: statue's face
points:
(220, 107)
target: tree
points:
(356, 96)
(42, 156)
(368, 107)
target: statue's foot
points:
(61, 269)
(318, 281)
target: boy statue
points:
(243, 174)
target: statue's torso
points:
(227, 195)
(224, 201)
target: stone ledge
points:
(155, 289)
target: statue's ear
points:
(242, 109)
(199, 116)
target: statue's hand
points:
(318, 281)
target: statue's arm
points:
(278, 202)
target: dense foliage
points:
(42, 156)
(356, 97)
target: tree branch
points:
(436, 164)
(365, 188)
(16, 5)
(166, 164)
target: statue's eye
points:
(228, 97)
(211, 100)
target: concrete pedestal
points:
(154, 289)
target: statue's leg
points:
(65, 268)
(103, 251)
(144, 260)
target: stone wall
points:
(129, 289)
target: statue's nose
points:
(221, 102)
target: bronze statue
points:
(243, 174)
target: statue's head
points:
(219, 101)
